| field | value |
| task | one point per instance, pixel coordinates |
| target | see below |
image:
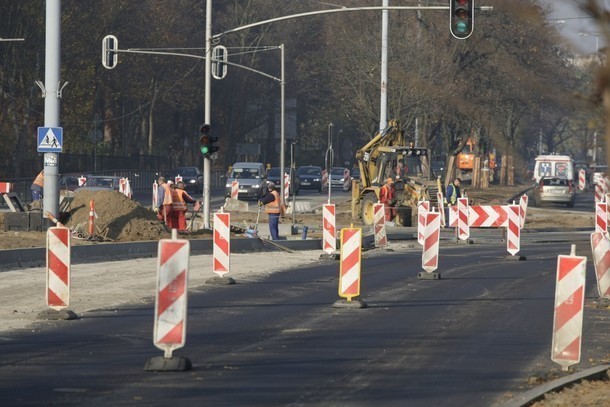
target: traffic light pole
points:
(207, 167)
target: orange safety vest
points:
(167, 196)
(178, 203)
(274, 206)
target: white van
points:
(560, 166)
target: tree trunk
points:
(510, 174)
(476, 172)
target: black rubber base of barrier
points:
(424, 275)
(515, 258)
(330, 256)
(54, 315)
(220, 281)
(349, 304)
(163, 364)
(467, 241)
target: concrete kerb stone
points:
(537, 393)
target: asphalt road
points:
(468, 339)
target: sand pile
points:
(118, 217)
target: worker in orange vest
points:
(387, 198)
(164, 203)
(180, 199)
(37, 187)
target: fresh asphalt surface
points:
(465, 340)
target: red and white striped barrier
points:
(599, 193)
(58, 267)
(177, 178)
(423, 207)
(441, 208)
(221, 251)
(432, 232)
(171, 294)
(379, 232)
(234, 189)
(600, 246)
(513, 230)
(568, 317)
(155, 189)
(286, 187)
(487, 216)
(5, 187)
(601, 217)
(582, 179)
(325, 178)
(347, 180)
(329, 239)
(125, 187)
(351, 259)
(604, 184)
(463, 226)
(523, 210)
(81, 181)
(92, 216)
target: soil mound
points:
(118, 217)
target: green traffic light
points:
(461, 27)
(204, 149)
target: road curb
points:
(537, 393)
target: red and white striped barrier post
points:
(599, 193)
(91, 219)
(5, 187)
(286, 187)
(568, 317)
(58, 267)
(155, 189)
(234, 189)
(423, 207)
(221, 249)
(432, 232)
(600, 246)
(601, 217)
(81, 181)
(604, 184)
(379, 233)
(177, 178)
(523, 210)
(582, 179)
(171, 303)
(125, 187)
(441, 208)
(329, 239)
(513, 230)
(463, 226)
(350, 268)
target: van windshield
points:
(246, 173)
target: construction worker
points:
(180, 199)
(387, 198)
(453, 191)
(272, 202)
(164, 203)
(37, 187)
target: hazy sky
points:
(572, 22)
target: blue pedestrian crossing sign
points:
(50, 139)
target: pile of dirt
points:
(118, 217)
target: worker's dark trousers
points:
(274, 221)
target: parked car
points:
(273, 175)
(311, 178)
(251, 177)
(69, 182)
(100, 183)
(191, 176)
(340, 178)
(554, 190)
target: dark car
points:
(100, 183)
(311, 178)
(273, 175)
(191, 176)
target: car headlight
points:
(227, 185)
(192, 181)
(256, 186)
(316, 179)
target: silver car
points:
(554, 190)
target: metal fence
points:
(140, 180)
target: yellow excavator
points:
(388, 155)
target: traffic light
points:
(461, 20)
(110, 56)
(206, 141)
